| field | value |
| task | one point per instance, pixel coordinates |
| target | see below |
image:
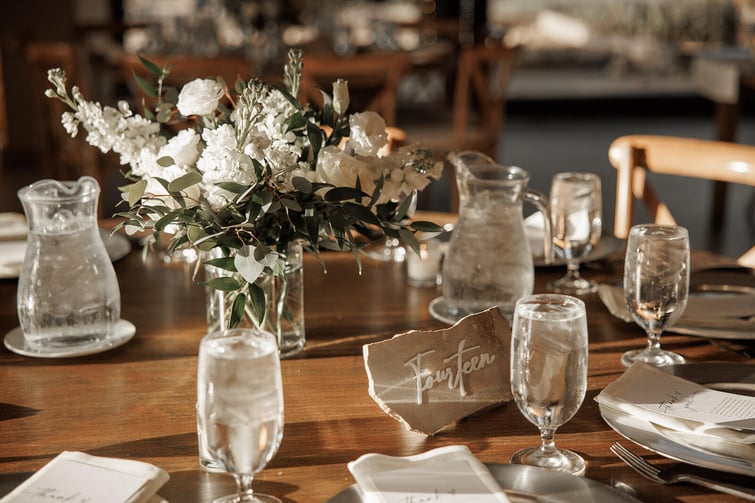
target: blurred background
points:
(586, 71)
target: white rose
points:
(199, 97)
(182, 148)
(367, 134)
(340, 169)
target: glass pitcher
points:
(489, 261)
(68, 292)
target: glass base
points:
(657, 358)
(570, 286)
(562, 460)
(257, 498)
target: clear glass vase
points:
(284, 303)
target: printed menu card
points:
(76, 477)
(679, 404)
(444, 475)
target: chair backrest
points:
(634, 156)
(374, 74)
(184, 68)
(482, 80)
(3, 113)
(63, 157)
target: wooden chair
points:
(478, 110)
(634, 156)
(183, 69)
(63, 157)
(373, 77)
(3, 114)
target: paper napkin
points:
(678, 404)
(444, 475)
(75, 476)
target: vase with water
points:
(489, 262)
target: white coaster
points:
(124, 331)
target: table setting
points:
(402, 390)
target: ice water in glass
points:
(240, 403)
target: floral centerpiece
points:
(244, 172)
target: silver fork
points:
(662, 476)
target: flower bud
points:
(340, 96)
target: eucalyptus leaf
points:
(302, 184)
(150, 66)
(223, 283)
(425, 226)
(237, 310)
(166, 161)
(343, 194)
(361, 213)
(147, 87)
(257, 300)
(185, 181)
(136, 192)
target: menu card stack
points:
(75, 476)
(685, 411)
(442, 475)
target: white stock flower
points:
(199, 97)
(222, 161)
(367, 134)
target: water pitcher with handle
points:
(67, 291)
(489, 261)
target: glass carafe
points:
(489, 261)
(67, 291)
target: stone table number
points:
(430, 379)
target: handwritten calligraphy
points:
(453, 375)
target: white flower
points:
(222, 161)
(340, 96)
(340, 169)
(368, 134)
(199, 97)
(182, 148)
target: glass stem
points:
(572, 270)
(654, 343)
(244, 484)
(547, 441)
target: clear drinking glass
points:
(240, 405)
(549, 373)
(575, 201)
(656, 286)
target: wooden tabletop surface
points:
(137, 401)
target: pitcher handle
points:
(541, 203)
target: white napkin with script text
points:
(443, 475)
(678, 404)
(76, 476)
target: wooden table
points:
(137, 401)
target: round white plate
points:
(124, 332)
(528, 483)
(731, 377)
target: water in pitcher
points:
(68, 292)
(489, 262)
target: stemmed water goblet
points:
(240, 403)
(549, 373)
(656, 286)
(575, 205)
